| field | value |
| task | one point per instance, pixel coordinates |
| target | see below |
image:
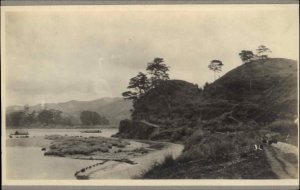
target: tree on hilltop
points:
(129, 95)
(158, 71)
(215, 66)
(263, 51)
(141, 83)
(246, 55)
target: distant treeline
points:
(92, 118)
(52, 116)
(46, 117)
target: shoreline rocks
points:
(136, 129)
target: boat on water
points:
(91, 131)
(19, 134)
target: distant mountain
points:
(114, 109)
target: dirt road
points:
(283, 159)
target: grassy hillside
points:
(220, 124)
(271, 83)
(168, 98)
(269, 93)
(215, 156)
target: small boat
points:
(91, 131)
(20, 133)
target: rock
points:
(136, 129)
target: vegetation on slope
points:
(220, 124)
(271, 82)
(227, 104)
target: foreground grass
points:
(254, 167)
(215, 156)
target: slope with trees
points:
(220, 124)
(141, 84)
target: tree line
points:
(261, 53)
(157, 72)
(45, 116)
(52, 116)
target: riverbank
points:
(94, 148)
(40, 132)
(56, 126)
(124, 158)
(135, 157)
(114, 170)
(209, 155)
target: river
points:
(26, 161)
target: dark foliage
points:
(46, 117)
(92, 118)
(141, 84)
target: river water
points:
(26, 161)
(106, 132)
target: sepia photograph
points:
(159, 94)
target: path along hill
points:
(220, 123)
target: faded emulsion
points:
(167, 92)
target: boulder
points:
(136, 129)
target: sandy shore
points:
(119, 163)
(115, 170)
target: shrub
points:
(157, 146)
(175, 136)
(216, 147)
(195, 138)
(283, 127)
(186, 131)
(141, 150)
(168, 161)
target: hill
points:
(252, 94)
(114, 109)
(220, 124)
(271, 82)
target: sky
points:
(85, 53)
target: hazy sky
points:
(65, 54)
